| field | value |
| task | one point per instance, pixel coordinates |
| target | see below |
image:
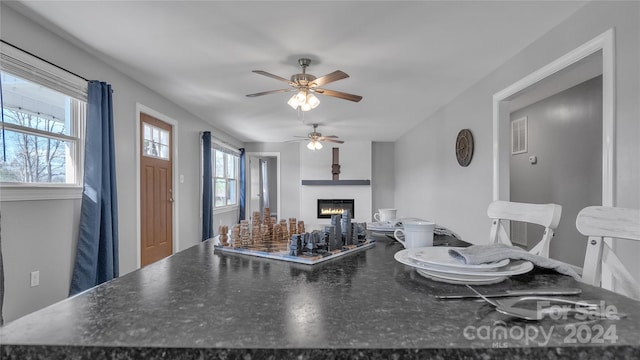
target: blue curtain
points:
(97, 254)
(243, 179)
(1, 281)
(207, 190)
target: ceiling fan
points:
(315, 138)
(306, 85)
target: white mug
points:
(416, 234)
(385, 215)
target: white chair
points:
(547, 215)
(600, 223)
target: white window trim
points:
(20, 63)
(21, 192)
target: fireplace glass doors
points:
(328, 207)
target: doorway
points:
(156, 189)
(506, 101)
(561, 163)
(263, 183)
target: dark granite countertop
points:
(198, 304)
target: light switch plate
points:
(35, 278)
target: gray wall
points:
(41, 235)
(382, 182)
(565, 134)
(430, 184)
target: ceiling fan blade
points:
(329, 136)
(273, 76)
(334, 76)
(338, 94)
(333, 141)
(270, 92)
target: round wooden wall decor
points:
(464, 147)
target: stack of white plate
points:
(435, 263)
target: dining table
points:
(201, 303)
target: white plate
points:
(382, 226)
(439, 257)
(513, 268)
(391, 225)
(462, 279)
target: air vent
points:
(519, 136)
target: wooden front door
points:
(156, 190)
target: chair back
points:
(547, 215)
(601, 223)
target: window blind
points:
(28, 67)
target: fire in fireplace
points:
(328, 207)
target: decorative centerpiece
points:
(270, 239)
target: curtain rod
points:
(221, 142)
(47, 61)
(224, 143)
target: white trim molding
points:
(40, 192)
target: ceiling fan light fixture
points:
(314, 145)
(305, 84)
(305, 107)
(313, 101)
(304, 100)
(301, 97)
(293, 102)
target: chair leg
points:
(592, 268)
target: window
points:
(40, 133)
(225, 176)
(156, 142)
(43, 114)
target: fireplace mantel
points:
(335, 182)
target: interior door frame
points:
(247, 189)
(174, 158)
(501, 110)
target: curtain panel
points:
(1, 281)
(242, 185)
(96, 258)
(207, 187)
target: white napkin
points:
(481, 254)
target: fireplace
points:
(328, 207)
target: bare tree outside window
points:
(32, 158)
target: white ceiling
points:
(407, 59)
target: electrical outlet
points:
(35, 278)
